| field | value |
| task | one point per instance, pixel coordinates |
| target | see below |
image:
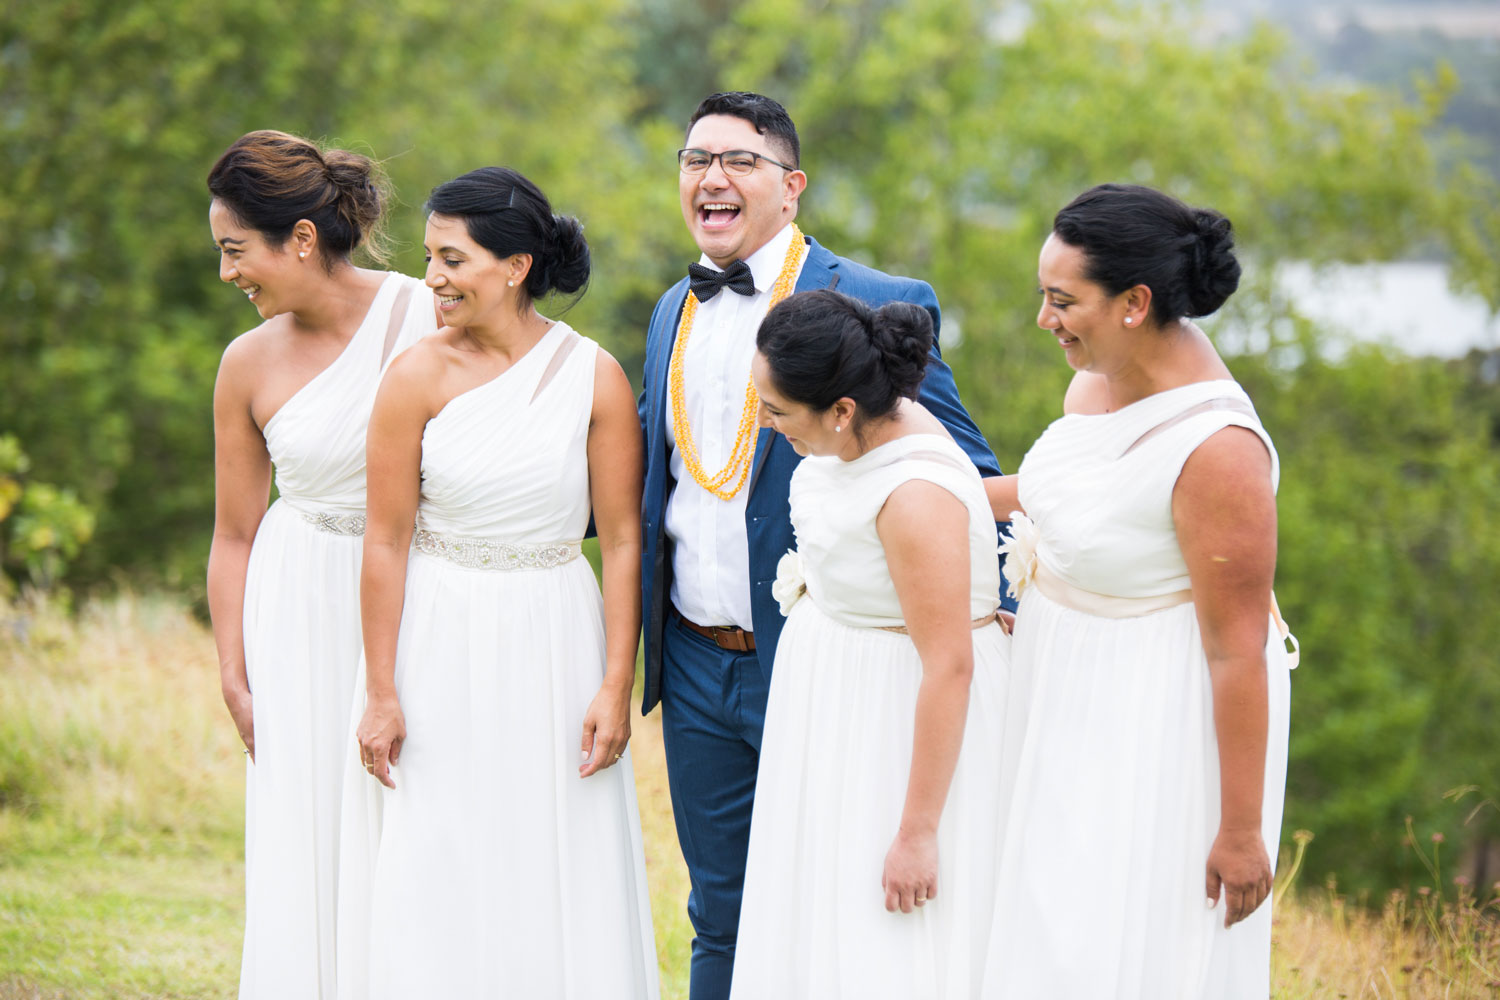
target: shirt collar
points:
(765, 263)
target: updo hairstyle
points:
(822, 346)
(1132, 235)
(507, 214)
(271, 180)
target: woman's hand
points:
(241, 711)
(1238, 864)
(381, 732)
(606, 728)
(910, 876)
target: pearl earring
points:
(303, 255)
(510, 284)
(1128, 321)
(838, 428)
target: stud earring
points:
(1128, 321)
(303, 255)
(510, 284)
(838, 428)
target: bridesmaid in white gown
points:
(871, 845)
(510, 861)
(294, 394)
(1148, 744)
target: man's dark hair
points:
(769, 118)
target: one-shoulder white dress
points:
(302, 648)
(836, 755)
(1111, 744)
(500, 872)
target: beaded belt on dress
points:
(334, 524)
(487, 553)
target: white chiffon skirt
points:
(499, 871)
(302, 645)
(1114, 759)
(835, 760)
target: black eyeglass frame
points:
(720, 157)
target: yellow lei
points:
(742, 456)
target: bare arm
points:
(1004, 493)
(924, 530)
(393, 471)
(616, 466)
(1225, 514)
(242, 484)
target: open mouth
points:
(717, 214)
(251, 291)
(446, 302)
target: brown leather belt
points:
(730, 637)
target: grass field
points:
(121, 785)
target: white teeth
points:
(720, 207)
(449, 299)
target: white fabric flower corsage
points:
(1019, 550)
(790, 584)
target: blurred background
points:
(1355, 146)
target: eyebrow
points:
(1057, 291)
(447, 250)
(229, 239)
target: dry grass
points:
(120, 835)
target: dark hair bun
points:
(823, 346)
(1132, 235)
(1214, 273)
(272, 180)
(507, 214)
(902, 333)
(566, 268)
(360, 200)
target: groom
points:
(715, 512)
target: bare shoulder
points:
(612, 388)
(423, 361)
(1232, 464)
(918, 505)
(1088, 393)
(250, 355)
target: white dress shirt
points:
(711, 554)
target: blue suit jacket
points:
(768, 522)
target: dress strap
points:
(1208, 405)
(398, 319)
(571, 339)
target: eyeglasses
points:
(736, 162)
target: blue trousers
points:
(713, 705)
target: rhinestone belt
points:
(335, 524)
(483, 553)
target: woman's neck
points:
(907, 418)
(337, 303)
(1170, 356)
(508, 337)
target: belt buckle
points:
(730, 637)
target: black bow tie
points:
(706, 282)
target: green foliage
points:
(42, 526)
(939, 139)
(1388, 565)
